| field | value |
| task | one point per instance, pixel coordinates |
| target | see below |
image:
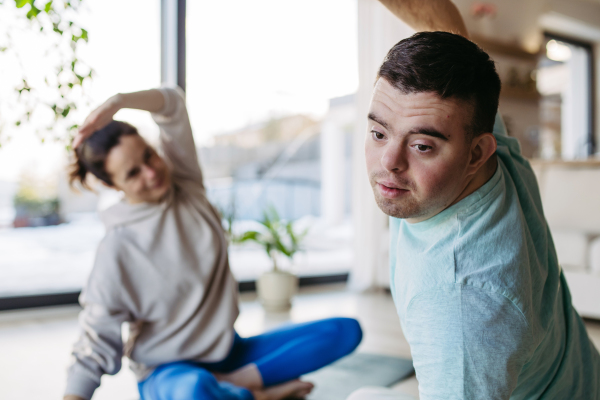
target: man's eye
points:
(147, 155)
(378, 135)
(422, 147)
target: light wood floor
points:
(35, 344)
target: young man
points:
(474, 273)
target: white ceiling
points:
(523, 22)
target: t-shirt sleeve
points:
(466, 343)
(176, 138)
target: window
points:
(48, 234)
(564, 80)
(260, 79)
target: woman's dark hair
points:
(91, 154)
(452, 67)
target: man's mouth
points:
(390, 190)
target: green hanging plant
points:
(58, 88)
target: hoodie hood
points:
(124, 213)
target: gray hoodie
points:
(162, 268)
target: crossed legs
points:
(262, 367)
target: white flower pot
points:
(275, 290)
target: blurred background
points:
(277, 93)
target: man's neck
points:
(480, 178)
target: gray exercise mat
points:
(338, 380)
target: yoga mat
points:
(338, 380)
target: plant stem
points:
(273, 257)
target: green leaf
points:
(33, 12)
(250, 235)
(48, 6)
(17, 123)
(56, 29)
(3, 49)
(23, 3)
(84, 34)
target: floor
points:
(35, 344)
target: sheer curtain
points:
(378, 31)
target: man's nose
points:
(394, 158)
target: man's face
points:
(416, 151)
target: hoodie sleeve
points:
(99, 349)
(176, 138)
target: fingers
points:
(77, 140)
(92, 123)
(83, 133)
(97, 120)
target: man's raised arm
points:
(428, 15)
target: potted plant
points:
(275, 288)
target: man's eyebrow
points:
(375, 118)
(422, 131)
(428, 132)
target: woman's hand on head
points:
(97, 119)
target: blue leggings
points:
(280, 355)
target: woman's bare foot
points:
(248, 376)
(293, 389)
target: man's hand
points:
(428, 15)
(98, 119)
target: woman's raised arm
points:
(428, 15)
(148, 100)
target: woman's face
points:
(137, 170)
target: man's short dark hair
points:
(452, 67)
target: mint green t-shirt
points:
(482, 300)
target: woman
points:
(162, 267)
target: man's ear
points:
(482, 148)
